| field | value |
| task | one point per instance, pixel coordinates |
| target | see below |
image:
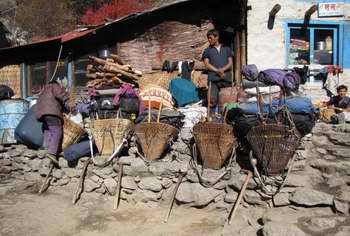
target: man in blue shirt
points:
(218, 60)
(341, 102)
(341, 105)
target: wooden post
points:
(237, 58)
(243, 47)
(243, 32)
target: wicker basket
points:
(153, 138)
(273, 145)
(72, 133)
(161, 79)
(109, 133)
(215, 143)
(157, 94)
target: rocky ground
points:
(314, 201)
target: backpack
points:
(6, 92)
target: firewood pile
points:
(110, 72)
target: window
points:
(39, 74)
(312, 45)
(37, 77)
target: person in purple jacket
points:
(51, 104)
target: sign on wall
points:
(326, 9)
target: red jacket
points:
(51, 101)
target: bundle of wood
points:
(110, 72)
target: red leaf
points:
(114, 10)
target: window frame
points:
(313, 25)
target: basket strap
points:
(204, 182)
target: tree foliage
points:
(113, 10)
(42, 18)
(81, 6)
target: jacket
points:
(51, 101)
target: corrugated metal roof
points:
(80, 33)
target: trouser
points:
(215, 90)
(53, 134)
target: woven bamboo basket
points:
(153, 138)
(215, 143)
(273, 145)
(72, 133)
(156, 94)
(109, 133)
(161, 79)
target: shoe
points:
(53, 159)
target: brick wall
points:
(170, 40)
(11, 76)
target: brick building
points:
(176, 31)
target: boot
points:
(53, 159)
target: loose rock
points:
(310, 197)
(281, 199)
(343, 231)
(90, 186)
(111, 185)
(5, 162)
(36, 164)
(196, 194)
(58, 173)
(64, 181)
(231, 196)
(166, 183)
(280, 228)
(253, 198)
(70, 172)
(318, 224)
(30, 154)
(151, 183)
(129, 183)
(341, 207)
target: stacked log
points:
(110, 72)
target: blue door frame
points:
(338, 34)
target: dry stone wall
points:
(320, 179)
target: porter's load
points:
(109, 133)
(215, 142)
(6, 92)
(72, 132)
(183, 91)
(29, 131)
(154, 137)
(78, 150)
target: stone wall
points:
(320, 176)
(317, 187)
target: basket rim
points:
(154, 123)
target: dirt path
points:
(52, 214)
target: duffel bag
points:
(29, 130)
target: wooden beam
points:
(237, 58)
